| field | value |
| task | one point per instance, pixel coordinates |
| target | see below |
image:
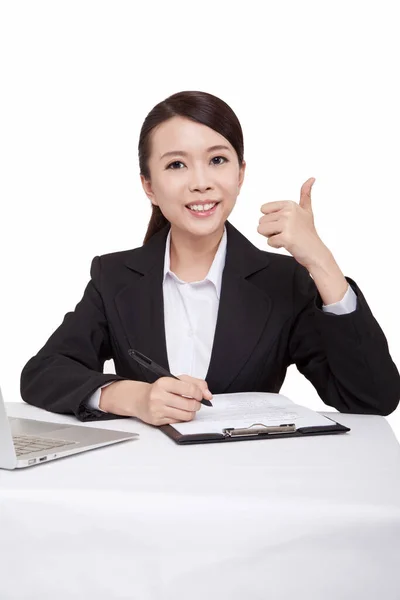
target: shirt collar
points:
(214, 275)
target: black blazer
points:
(270, 316)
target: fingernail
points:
(209, 393)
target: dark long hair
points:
(197, 106)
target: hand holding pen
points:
(170, 399)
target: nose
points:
(200, 180)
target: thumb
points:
(204, 387)
(207, 392)
(305, 194)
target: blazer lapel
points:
(140, 304)
(243, 311)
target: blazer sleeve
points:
(63, 375)
(345, 357)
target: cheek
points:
(173, 188)
(229, 182)
(168, 190)
(165, 184)
(231, 189)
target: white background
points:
(314, 84)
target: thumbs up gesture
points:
(291, 226)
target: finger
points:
(177, 414)
(269, 229)
(190, 390)
(182, 388)
(270, 207)
(187, 404)
(276, 241)
(201, 383)
(271, 218)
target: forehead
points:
(179, 133)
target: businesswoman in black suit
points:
(198, 288)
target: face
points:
(184, 170)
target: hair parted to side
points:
(198, 106)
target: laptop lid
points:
(8, 457)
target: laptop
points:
(27, 442)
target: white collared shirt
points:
(190, 315)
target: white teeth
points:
(202, 207)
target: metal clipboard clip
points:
(259, 428)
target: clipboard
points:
(256, 431)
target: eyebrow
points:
(182, 153)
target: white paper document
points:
(243, 409)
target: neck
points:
(191, 256)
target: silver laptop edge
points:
(78, 438)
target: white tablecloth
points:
(315, 518)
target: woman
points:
(199, 299)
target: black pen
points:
(155, 368)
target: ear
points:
(242, 171)
(146, 184)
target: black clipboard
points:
(242, 434)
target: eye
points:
(223, 158)
(178, 162)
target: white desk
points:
(315, 518)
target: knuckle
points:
(153, 414)
(193, 390)
(153, 400)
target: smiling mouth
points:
(202, 203)
(203, 213)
